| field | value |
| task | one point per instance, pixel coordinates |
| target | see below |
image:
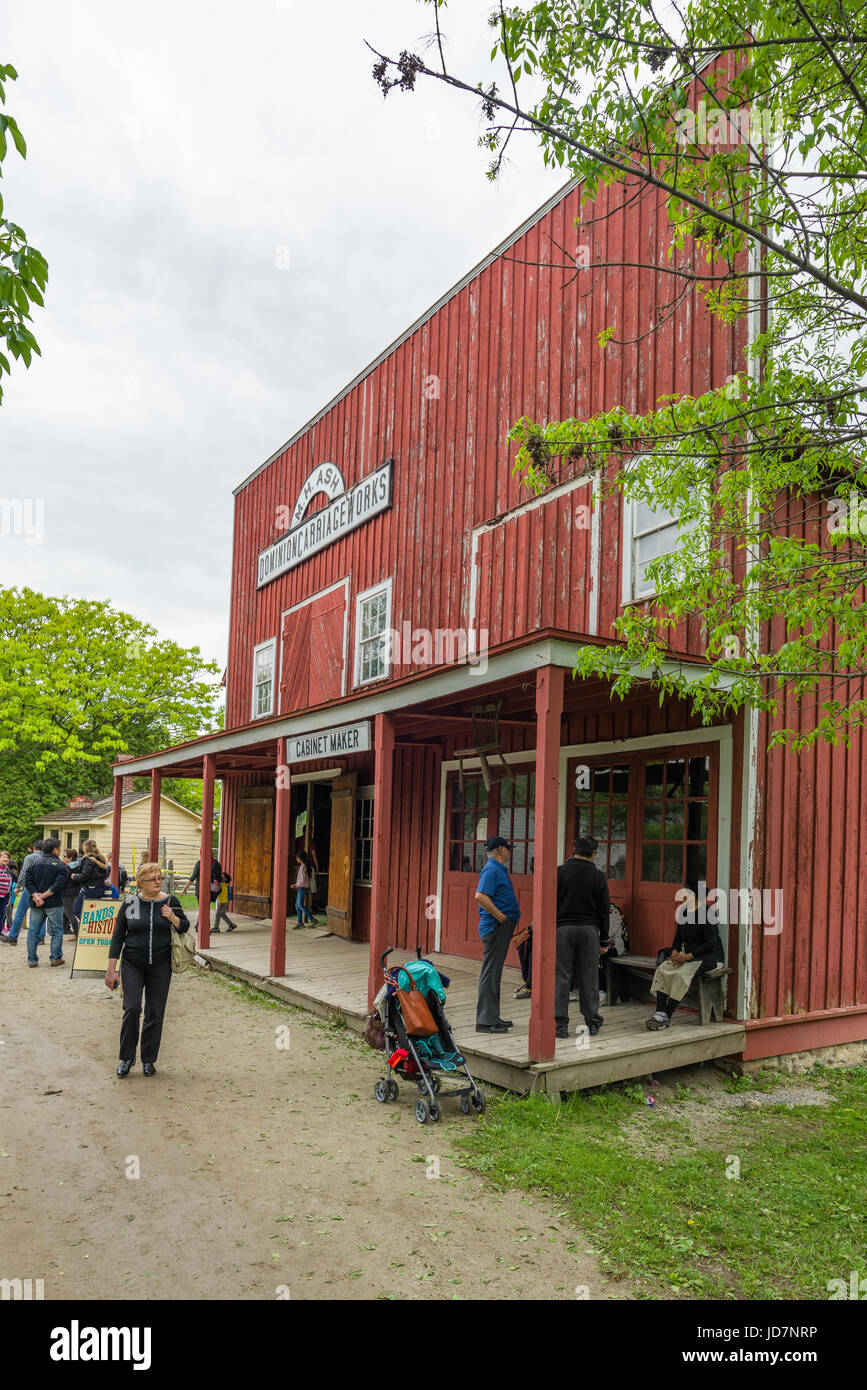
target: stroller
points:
(426, 1061)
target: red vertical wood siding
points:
(516, 340)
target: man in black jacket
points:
(216, 881)
(45, 878)
(582, 935)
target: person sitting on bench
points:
(697, 949)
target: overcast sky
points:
(179, 154)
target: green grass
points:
(652, 1198)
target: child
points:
(224, 897)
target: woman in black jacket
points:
(143, 931)
(90, 875)
(697, 949)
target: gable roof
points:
(103, 808)
(473, 274)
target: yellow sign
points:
(95, 931)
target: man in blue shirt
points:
(498, 917)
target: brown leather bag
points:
(417, 1017)
(374, 1033)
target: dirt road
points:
(263, 1171)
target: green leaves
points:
(23, 269)
(81, 682)
(749, 124)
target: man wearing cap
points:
(498, 917)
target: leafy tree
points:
(23, 269)
(80, 683)
(751, 122)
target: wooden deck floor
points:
(325, 975)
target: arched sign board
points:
(346, 510)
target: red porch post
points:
(549, 710)
(383, 776)
(280, 874)
(205, 853)
(154, 833)
(117, 804)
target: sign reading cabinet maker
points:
(330, 743)
(345, 511)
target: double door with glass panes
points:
(654, 817)
(472, 816)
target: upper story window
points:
(263, 678)
(648, 533)
(372, 622)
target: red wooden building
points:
(390, 577)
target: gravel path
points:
(263, 1171)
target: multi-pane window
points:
(517, 819)
(373, 616)
(263, 679)
(650, 533)
(468, 826)
(674, 829)
(601, 807)
(364, 838)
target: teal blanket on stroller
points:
(426, 978)
(432, 1050)
(428, 981)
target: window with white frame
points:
(648, 534)
(364, 835)
(372, 622)
(263, 678)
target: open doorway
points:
(323, 824)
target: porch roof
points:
(423, 695)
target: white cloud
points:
(172, 151)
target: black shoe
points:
(232, 928)
(124, 1069)
(491, 1028)
(506, 1022)
(561, 1032)
(215, 931)
(149, 1069)
(593, 1029)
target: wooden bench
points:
(711, 986)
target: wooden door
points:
(472, 816)
(675, 839)
(341, 854)
(654, 816)
(327, 620)
(254, 850)
(295, 663)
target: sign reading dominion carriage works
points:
(345, 511)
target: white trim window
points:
(364, 836)
(372, 622)
(648, 533)
(263, 678)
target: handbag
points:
(184, 947)
(522, 934)
(417, 1017)
(374, 1033)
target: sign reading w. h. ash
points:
(345, 511)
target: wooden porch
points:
(327, 975)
